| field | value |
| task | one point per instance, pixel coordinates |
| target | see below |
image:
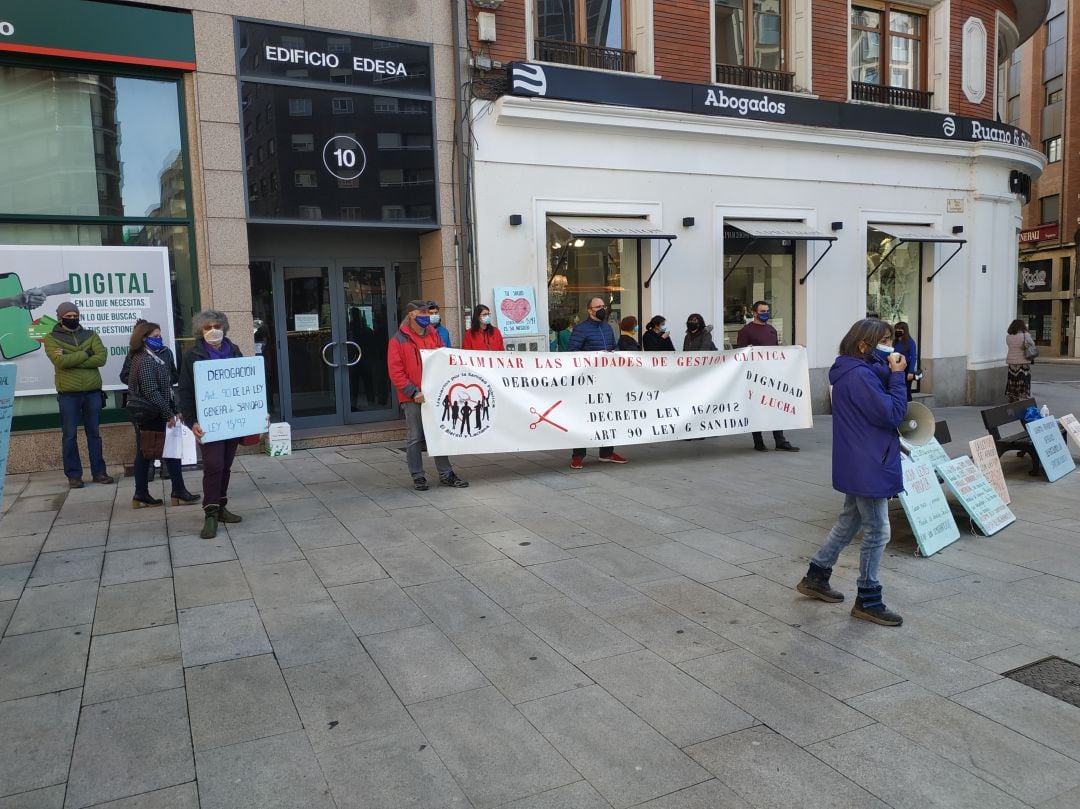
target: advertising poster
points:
(112, 286)
(494, 401)
(515, 311)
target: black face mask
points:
(900, 335)
(601, 314)
(70, 323)
(692, 325)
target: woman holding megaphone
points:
(869, 399)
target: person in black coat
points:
(698, 335)
(656, 336)
(628, 328)
(594, 334)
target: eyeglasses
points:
(209, 326)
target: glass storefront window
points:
(581, 269)
(764, 272)
(894, 280)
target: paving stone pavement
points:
(625, 636)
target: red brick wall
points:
(962, 10)
(829, 61)
(681, 33)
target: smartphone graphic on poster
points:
(15, 321)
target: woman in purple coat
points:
(869, 399)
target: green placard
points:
(976, 495)
(926, 508)
(86, 29)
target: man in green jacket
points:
(77, 353)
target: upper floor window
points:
(1049, 209)
(1052, 148)
(590, 33)
(748, 41)
(888, 55)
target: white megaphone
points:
(918, 425)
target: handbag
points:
(151, 444)
(1031, 351)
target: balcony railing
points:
(898, 96)
(577, 53)
(758, 77)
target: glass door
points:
(368, 295)
(312, 352)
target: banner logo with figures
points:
(566, 400)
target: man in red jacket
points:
(406, 368)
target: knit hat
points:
(412, 306)
(66, 308)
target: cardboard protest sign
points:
(1054, 455)
(230, 397)
(485, 401)
(984, 455)
(926, 508)
(515, 311)
(976, 495)
(1072, 427)
(932, 452)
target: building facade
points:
(293, 162)
(837, 159)
(1040, 99)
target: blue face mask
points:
(423, 321)
(763, 316)
(883, 351)
(663, 329)
(436, 319)
(156, 343)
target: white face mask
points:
(213, 336)
(485, 319)
(435, 319)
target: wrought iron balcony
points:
(577, 53)
(898, 96)
(759, 77)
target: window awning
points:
(774, 229)
(612, 227)
(918, 233)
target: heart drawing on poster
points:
(516, 309)
(466, 393)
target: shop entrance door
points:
(335, 321)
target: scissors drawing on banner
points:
(543, 417)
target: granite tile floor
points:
(617, 637)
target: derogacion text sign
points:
(230, 397)
(483, 401)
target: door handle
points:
(359, 353)
(324, 359)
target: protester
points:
(905, 344)
(149, 372)
(436, 321)
(656, 336)
(77, 353)
(560, 334)
(594, 334)
(758, 332)
(406, 370)
(868, 404)
(481, 335)
(628, 333)
(209, 328)
(1020, 353)
(698, 335)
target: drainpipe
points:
(460, 204)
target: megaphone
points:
(918, 425)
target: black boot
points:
(209, 529)
(184, 498)
(870, 607)
(816, 585)
(144, 501)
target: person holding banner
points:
(594, 334)
(869, 399)
(149, 372)
(209, 328)
(481, 335)
(436, 323)
(406, 373)
(758, 332)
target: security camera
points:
(490, 5)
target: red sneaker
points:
(613, 458)
(577, 463)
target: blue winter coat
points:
(592, 335)
(910, 351)
(868, 404)
(444, 335)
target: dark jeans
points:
(605, 452)
(217, 458)
(85, 406)
(143, 466)
(778, 437)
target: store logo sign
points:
(1035, 279)
(530, 79)
(360, 64)
(948, 126)
(6, 29)
(743, 106)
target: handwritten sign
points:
(932, 452)
(230, 397)
(1050, 446)
(976, 495)
(984, 455)
(1072, 427)
(926, 507)
(8, 371)
(515, 311)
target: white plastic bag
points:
(180, 443)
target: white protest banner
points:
(230, 397)
(976, 495)
(1072, 427)
(515, 311)
(112, 286)
(1050, 447)
(985, 456)
(927, 509)
(486, 401)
